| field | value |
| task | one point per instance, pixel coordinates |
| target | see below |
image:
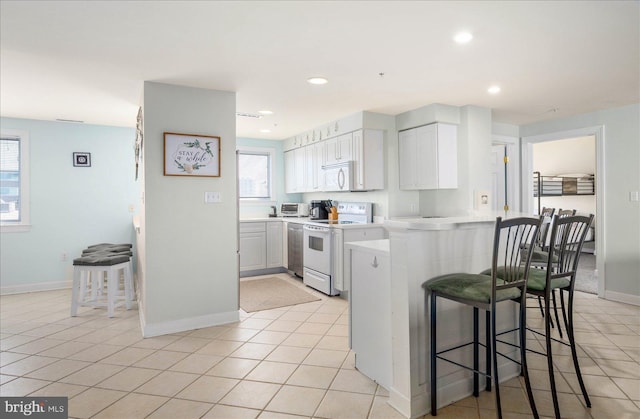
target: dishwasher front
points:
(295, 248)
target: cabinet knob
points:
(375, 262)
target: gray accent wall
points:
(188, 249)
(622, 175)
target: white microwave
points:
(291, 209)
(338, 177)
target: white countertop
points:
(447, 223)
(373, 246)
(306, 220)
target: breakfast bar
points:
(422, 248)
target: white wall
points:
(190, 266)
(622, 175)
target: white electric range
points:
(319, 247)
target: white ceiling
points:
(87, 60)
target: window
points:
(14, 180)
(254, 174)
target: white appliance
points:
(291, 209)
(319, 250)
(318, 258)
(338, 177)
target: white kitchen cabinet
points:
(368, 160)
(261, 245)
(428, 157)
(253, 246)
(274, 245)
(313, 167)
(341, 236)
(370, 330)
(338, 149)
(294, 166)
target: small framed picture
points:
(82, 159)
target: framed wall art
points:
(81, 159)
(191, 155)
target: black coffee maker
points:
(318, 209)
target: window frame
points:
(270, 153)
(25, 221)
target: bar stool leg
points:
(552, 379)
(128, 285)
(574, 353)
(112, 289)
(434, 398)
(476, 362)
(494, 356)
(75, 289)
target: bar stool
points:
(512, 249)
(567, 238)
(88, 281)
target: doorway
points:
(542, 146)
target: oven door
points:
(317, 248)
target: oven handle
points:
(316, 228)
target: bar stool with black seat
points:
(95, 269)
(567, 238)
(512, 248)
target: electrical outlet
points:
(132, 208)
(63, 257)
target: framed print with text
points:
(191, 155)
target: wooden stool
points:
(88, 284)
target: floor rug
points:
(272, 292)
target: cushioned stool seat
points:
(88, 284)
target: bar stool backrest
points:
(513, 247)
(567, 238)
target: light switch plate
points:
(211, 197)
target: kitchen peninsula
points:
(422, 248)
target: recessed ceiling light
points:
(317, 80)
(494, 90)
(266, 131)
(463, 37)
(265, 112)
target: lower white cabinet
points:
(339, 238)
(370, 309)
(275, 245)
(253, 246)
(261, 245)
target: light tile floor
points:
(282, 363)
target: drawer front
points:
(246, 227)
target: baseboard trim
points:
(622, 298)
(35, 287)
(174, 326)
(420, 404)
(267, 271)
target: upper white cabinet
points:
(338, 149)
(429, 157)
(294, 167)
(313, 167)
(368, 160)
